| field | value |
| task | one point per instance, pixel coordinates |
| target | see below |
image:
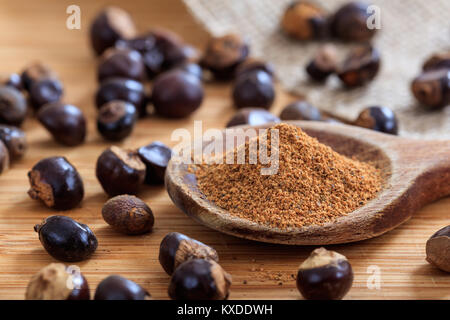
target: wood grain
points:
(35, 30)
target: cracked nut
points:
(177, 248)
(432, 88)
(304, 21)
(438, 249)
(325, 275)
(14, 140)
(57, 282)
(57, 183)
(116, 120)
(120, 171)
(323, 64)
(13, 106)
(378, 118)
(199, 279)
(360, 67)
(156, 157)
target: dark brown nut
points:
(301, 110)
(252, 116)
(14, 140)
(192, 68)
(116, 120)
(199, 279)
(128, 214)
(57, 183)
(438, 249)
(4, 157)
(177, 94)
(324, 63)
(378, 118)
(65, 239)
(65, 122)
(118, 288)
(304, 21)
(349, 23)
(223, 55)
(177, 248)
(13, 106)
(110, 25)
(254, 89)
(57, 282)
(437, 61)
(156, 157)
(360, 67)
(432, 88)
(251, 64)
(128, 90)
(35, 72)
(325, 275)
(161, 50)
(45, 91)
(120, 171)
(123, 63)
(12, 80)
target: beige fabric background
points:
(411, 31)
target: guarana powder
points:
(314, 184)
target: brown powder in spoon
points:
(314, 184)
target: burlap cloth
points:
(411, 30)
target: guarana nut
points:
(325, 275)
(155, 156)
(128, 90)
(13, 106)
(438, 249)
(45, 90)
(128, 214)
(438, 60)
(116, 120)
(35, 72)
(110, 25)
(252, 116)
(177, 248)
(254, 89)
(57, 183)
(52, 283)
(199, 279)
(177, 94)
(224, 54)
(65, 122)
(14, 140)
(301, 110)
(304, 21)
(120, 171)
(360, 66)
(121, 62)
(432, 88)
(323, 64)
(119, 288)
(378, 118)
(349, 23)
(66, 239)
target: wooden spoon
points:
(415, 173)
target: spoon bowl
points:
(414, 173)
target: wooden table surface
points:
(35, 30)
